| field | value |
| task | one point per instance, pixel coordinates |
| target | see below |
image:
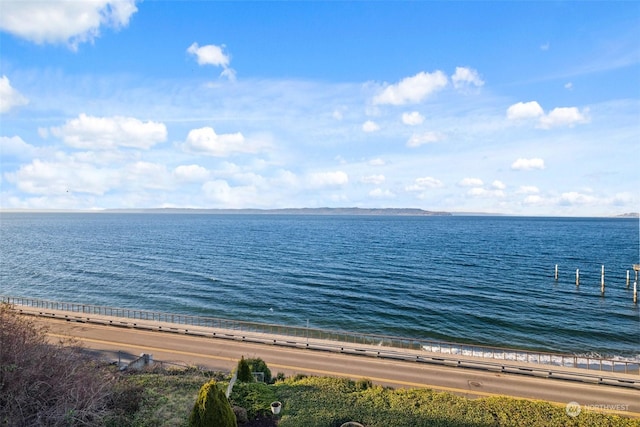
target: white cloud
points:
(15, 146)
(545, 46)
(209, 55)
(524, 110)
(424, 183)
(528, 189)
(622, 199)
(417, 140)
(412, 119)
(380, 193)
(285, 178)
(412, 90)
(377, 162)
(373, 179)
(533, 199)
(564, 116)
(498, 185)
(103, 133)
(206, 141)
(465, 78)
(370, 126)
(146, 175)
(191, 173)
(327, 179)
(64, 21)
(575, 198)
(213, 55)
(561, 116)
(568, 86)
(217, 190)
(222, 194)
(471, 182)
(63, 176)
(482, 192)
(527, 164)
(9, 97)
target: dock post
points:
(577, 277)
(627, 278)
(635, 292)
(602, 280)
(556, 275)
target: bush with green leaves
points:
(258, 365)
(244, 371)
(256, 398)
(330, 402)
(212, 409)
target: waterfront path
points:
(467, 376)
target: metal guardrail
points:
(443, 347)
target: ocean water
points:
(468, 279)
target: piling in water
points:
(577, 277)
(602, 281)
(556, 275)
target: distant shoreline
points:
(284, 211)
(326, 211)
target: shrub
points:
(244, 371)
(363, 384)
(212, 409)
(256, 398)
(259, 365)
(48, 384)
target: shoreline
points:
(326, 211)
(468, 379)
(189, 351)
(446, 354)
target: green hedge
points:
(322, 402)
(256, 398)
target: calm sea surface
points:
(484, 280)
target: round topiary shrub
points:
(212, 408)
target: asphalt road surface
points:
(221, 354)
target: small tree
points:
(259, 365)
(244, 371)
(212, 409)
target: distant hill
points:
(629, 215)
(294, 211)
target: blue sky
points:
(528, 108)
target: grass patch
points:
(166, 397)
(328, 402)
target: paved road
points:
(221, 354)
